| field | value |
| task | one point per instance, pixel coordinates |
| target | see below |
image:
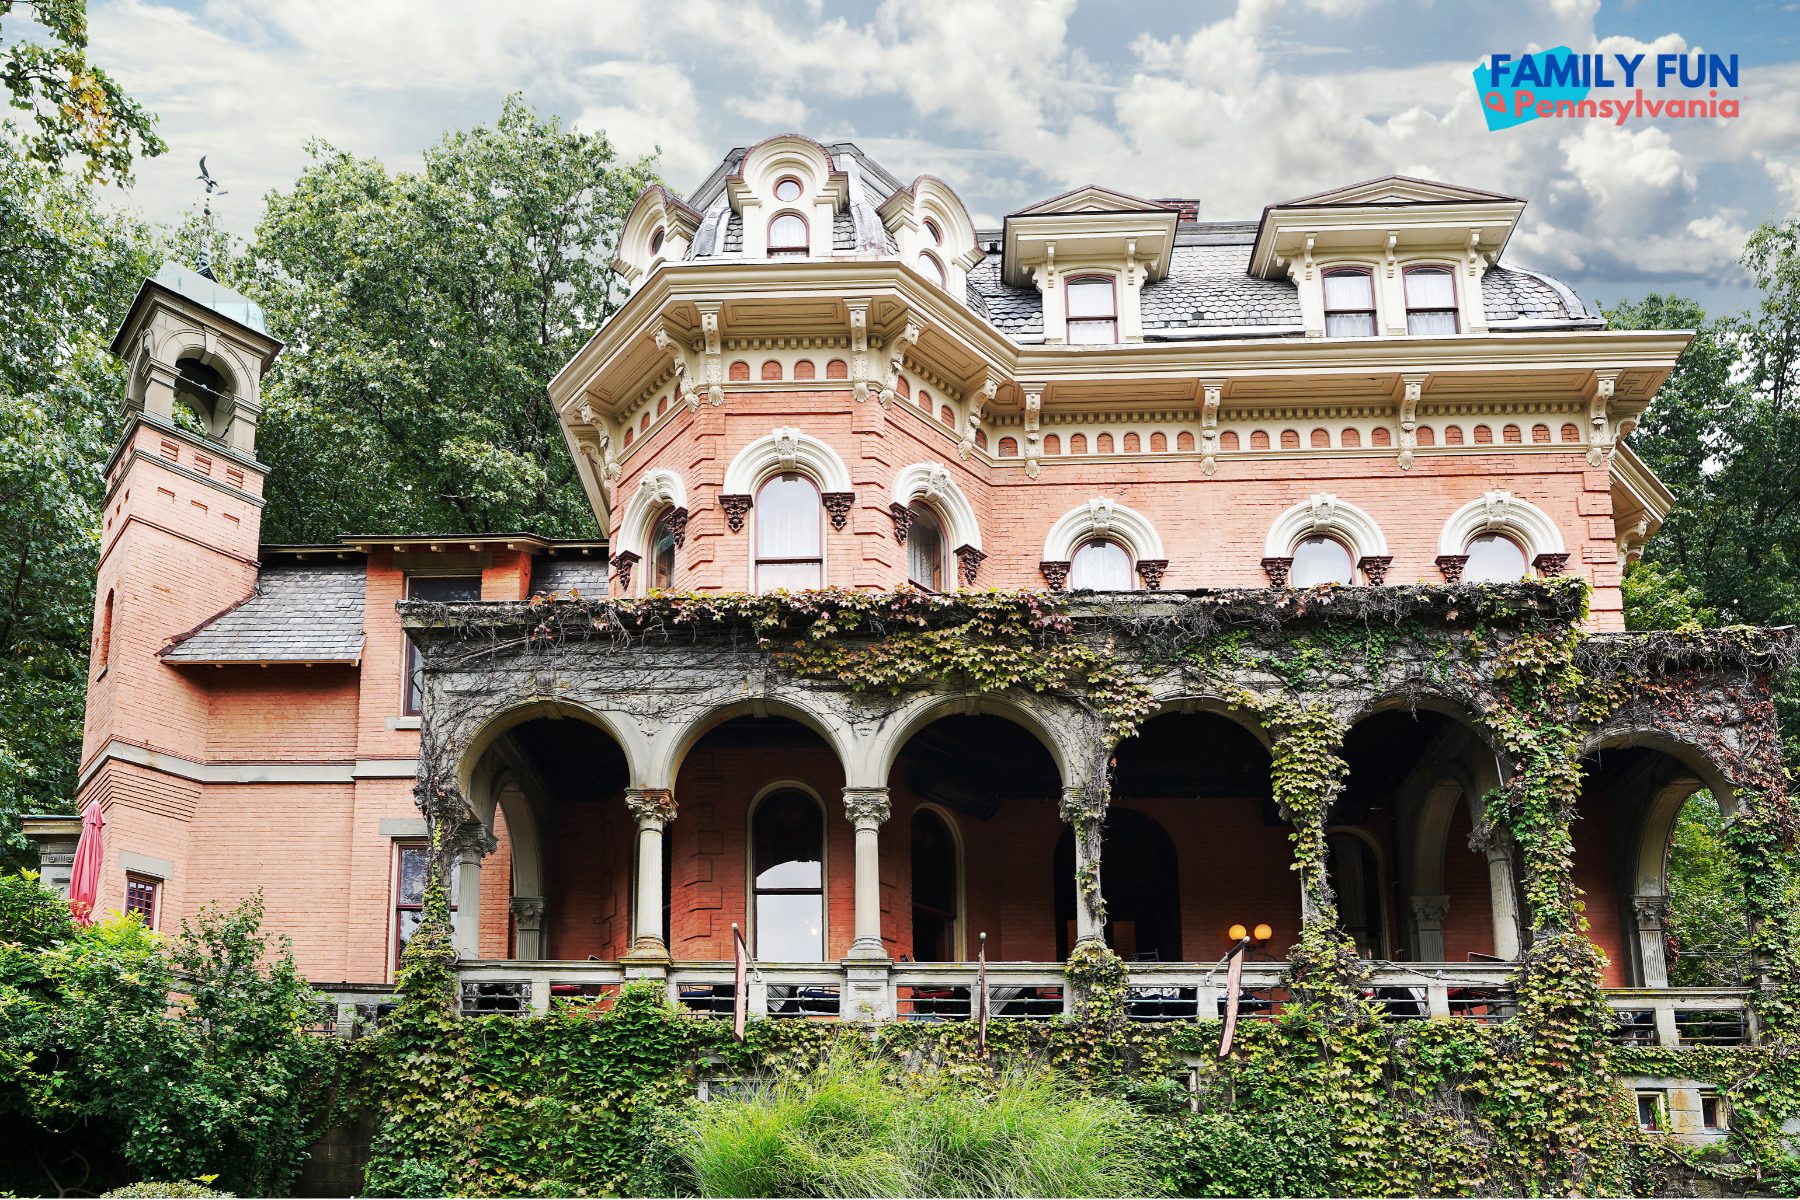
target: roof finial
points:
(204, 259)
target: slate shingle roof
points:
(1510, 294)
(1209, 287)
(584, 575)
(1016, 312)
(301, 613)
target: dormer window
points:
(1349, 303)
(932, 269)
(1093, 311)
(656, 241)
(787, 190)
(1430, 301)
(933, 232)
(787, 233)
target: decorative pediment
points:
(1093, 198)
(1378, 219)
(1399, 189)
(1090, 226)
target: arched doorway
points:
(1139, 880)
(936, 889)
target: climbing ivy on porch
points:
(1530, 1105)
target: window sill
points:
(403, 722)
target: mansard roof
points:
(1210, 289)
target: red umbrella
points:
(84, 876)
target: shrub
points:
(847, 1130)
(180, 1187)
(1285, 1151)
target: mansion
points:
(826, 377)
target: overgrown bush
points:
(126, 1055)
(851, 1130)
(179, 1188)
(1286, 1151)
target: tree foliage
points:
(103, 1081)
(424, 314)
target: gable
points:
(1396, 189)
(1092, 199)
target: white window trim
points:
(932, 484)
(786, 451)
(756, 801)
(1502, 512)
(1103, 518)
(1325, 515)
(657, 492)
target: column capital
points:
(867, 805)
(1080, 803)
(528, 911)
(651, 804)
(1429, 911)
(1652, 912)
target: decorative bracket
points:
(624, 561)
(908, 338)
(1151, 571)
(1056, 574)
(1602, 435)
(990, 387)
(1393, 239)
(1411, 388)
(1452, 566)
(712, 346)
(903, 519)
(1278, 569)
(1375, 568)
(1209, 425)
(859, 348)
(1034, 411)
(1307, 259)
(736, 509)
(1551, 565)
(968, 564)
(837, 506)
(1473, 253)
(678, 522)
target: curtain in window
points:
(789, 535)
(1494, 558)
(1349, 304)
(1321, 560)
(662, 553)
(787, 232)
(1091, 312)
(1430, 302)
(925, 549)
(1102, 566)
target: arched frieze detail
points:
(933, 484)
(1103, 517)
(1325, 515)
(1064, 731)
(1501, 512)
(780, 451)
(657, 492)
(674, 740)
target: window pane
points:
(932, 269)
(787, 518)
(1430, 289)
(790, 928)
(789, 842)
(933, 232)
(1102, 566)
(1090, 298)
(445, 589)
(411, 888)
(1349, 289)
(1321, 560)
(788, 189)
(787, 232)
(1430, 324)
(791, 577)
(925, 549)
(1350, 324)
(1494, 558)
(1093, 333)
(662, 554)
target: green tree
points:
(424, 314)
(68, 270)
(73, 108)
(1709, 931)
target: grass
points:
(848, 1130)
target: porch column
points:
(1652, 930)
(653, 808)
(466, 921)
(1428, 922)
(528, 924)
(868, 810)
(1503, 900)
(1084, 812)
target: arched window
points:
(790, 535)
(1430, 301)
(934, 890)
(662, 553)
(1320, 559)
(925, 548)
(103, 652)
(1092, 311)
(1494, 558)
(1356, 878)
(787, 235)
(1349, 303)
(788, 189)
(656, 241)
(932, 269)
(1102, 565)
(933, 232)
(787, 840)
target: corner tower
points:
(178, 544)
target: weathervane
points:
(206, 223)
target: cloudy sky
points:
(1238, 102)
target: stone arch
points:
(876, 753)
(1685, 753)
(1325, 514)
(1173, 701)
(657, 492)
(617, 726)
(1103, 517)
(781, 450)
(674, 742)
(1501, 512)
(932, 483)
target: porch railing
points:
(1475, 992)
